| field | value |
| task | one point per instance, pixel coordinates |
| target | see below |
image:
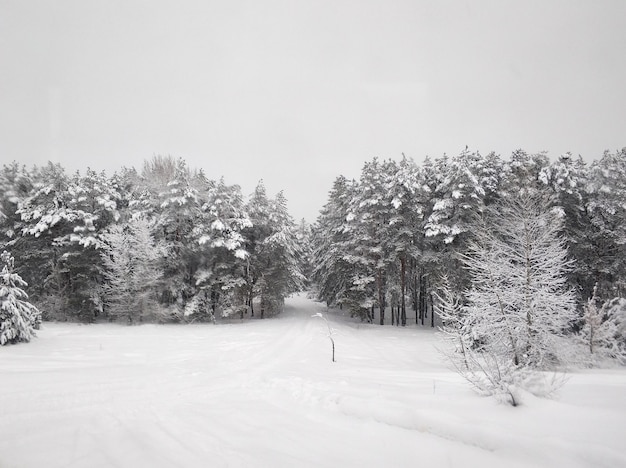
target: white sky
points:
(298, 92)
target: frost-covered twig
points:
(331, 331)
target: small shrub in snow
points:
(198, 307)
(604, 330)
(18, 317)
(331, 332)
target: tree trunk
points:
(381, 298)
(403, 290)
(432, 311)
(423, 301)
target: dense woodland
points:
(169, 244)
(166, 244)
(390, 237)
(521, 263)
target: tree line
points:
(385, 241)
(521, 263)
(162, 244)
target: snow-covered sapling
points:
(601, 331)
(331, 331)
(18, 317)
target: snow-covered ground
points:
(266, 394)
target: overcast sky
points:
(298, 92)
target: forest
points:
(168, 244)
(163, 245)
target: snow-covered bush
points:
(199, 308)
(18, 317)
(604, 330)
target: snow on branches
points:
(18, 317)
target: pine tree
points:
(273, 268)
(304, 237)
(370, 213)
(407, 196)
(172, 194)
(567, 180)
(15, 186)
(221, 275)
(281, 275)
(332, 272)
(606, 234)
(18, 317)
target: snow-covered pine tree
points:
(407, 196)
(59, 221)
(567, 179)
(281, 275)
(523, 171)
(18, 317)
(221, 276)
(304, 238)
(273, 268)
(370, 212)
(179, 209)
(606, 234)
(15, 185)
(332, 272)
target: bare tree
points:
(519, 305)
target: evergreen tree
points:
(523, 171)
(176, 206)
(370, 213)
(606, 210)
(304, 238)
(221, 276)
(332, 271)
(407, 197)
(18, 317)
(273, 268)
(567, 180)
(15, 185)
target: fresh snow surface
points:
(264, 393)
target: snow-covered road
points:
(265, 393)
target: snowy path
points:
(265, 393)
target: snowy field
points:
(266, 394)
